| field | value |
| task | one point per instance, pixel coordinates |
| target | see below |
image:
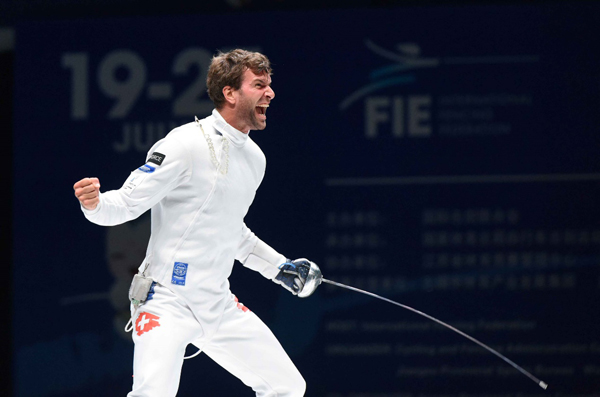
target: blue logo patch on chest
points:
(179, 273)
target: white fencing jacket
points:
(197, 213)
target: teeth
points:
(264, 107)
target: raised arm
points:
(168, 164)
(87, 192)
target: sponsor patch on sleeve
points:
(179, 273)
(132, 182)
(156, 158)
(148, 169)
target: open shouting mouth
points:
(261, 110)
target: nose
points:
(270, 93)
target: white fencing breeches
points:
(243, 345)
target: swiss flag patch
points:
(146, 322)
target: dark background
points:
(369, 211)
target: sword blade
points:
(540, 383)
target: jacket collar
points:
(236, 137)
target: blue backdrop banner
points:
(445, 157)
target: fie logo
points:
(397, 114)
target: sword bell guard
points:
(313, 280)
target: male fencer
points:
(199, 182)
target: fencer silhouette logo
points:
(401, 115)
(146, 322)
(405, 59)
(408, 111)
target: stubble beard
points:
(255, 123)
(251, 120)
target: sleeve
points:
(168, 165)
(255, 254)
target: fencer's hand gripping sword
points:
(315, 278)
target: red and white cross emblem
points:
(146, 322)
(240, 305)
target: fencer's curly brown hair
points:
(227, 69)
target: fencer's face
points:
(253, 99)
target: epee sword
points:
(314, 278)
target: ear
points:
(229, 94)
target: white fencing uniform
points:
(197, 233)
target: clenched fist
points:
(87, 192)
